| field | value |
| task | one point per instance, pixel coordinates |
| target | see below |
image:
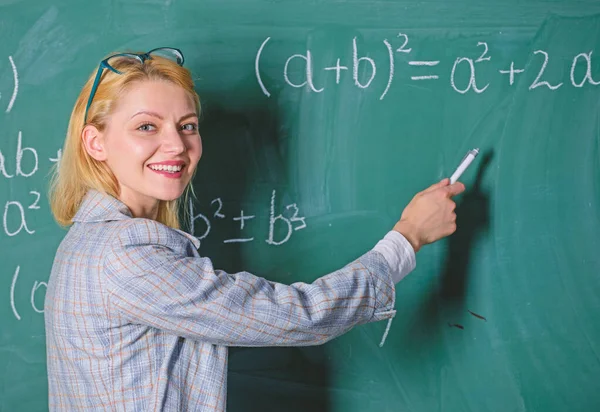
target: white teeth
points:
(167, 168)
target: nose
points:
(173, 142)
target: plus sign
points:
(511, 72)
(337, 69)
(243, 218)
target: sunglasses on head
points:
(165, 52)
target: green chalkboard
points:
(320, 121)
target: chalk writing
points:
(587, 78)
(472, 85)
(36, 296)
(14, 219)
(338, 68)
(20, 152)
(19, 155)
(57, 158)
(194, 218)
(200, 225)
(402, 49)
(15, 208)
(308, 70)
(425, 63)
(391, 76)
(511, 72)
(13, 286)
(420, 70)
(287, 221)
(36, 286)
(13, 97)
(241, 218)
(356, 62)
(537, 82)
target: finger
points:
(455, 189)
(441, 183)
(452, 229)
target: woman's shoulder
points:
(141, 232)
(103, 219)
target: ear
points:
(93, 141)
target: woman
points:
(135, 318)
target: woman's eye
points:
(189, 127)
(146, 127)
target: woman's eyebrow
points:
(153, 114)
(188, 116)
(158, 116)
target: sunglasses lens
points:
(117, 61)
(168, 53)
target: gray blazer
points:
(137, 320)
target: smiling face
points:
(151, 144)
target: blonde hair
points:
(78, 172)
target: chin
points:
(169, 195)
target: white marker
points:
(469, 157)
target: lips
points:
(170, 168)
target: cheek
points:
(127, 152)
(195, 149)
(137, 149)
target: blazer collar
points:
(101, 207)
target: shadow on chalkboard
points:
(239, 147)
(445, 306)
(472, 220)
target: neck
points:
(147, 212)
(146, 208)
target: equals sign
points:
(424, 63)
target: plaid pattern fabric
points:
(137, 320)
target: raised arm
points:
(153, 282)
(157, 278)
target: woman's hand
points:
(430, 214)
